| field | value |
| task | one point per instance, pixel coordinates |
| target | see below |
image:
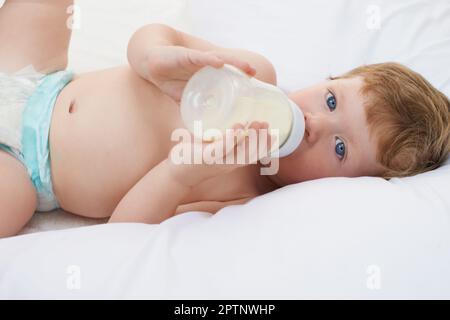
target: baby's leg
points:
(34, 32)
(17, 196)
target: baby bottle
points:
(219, 98)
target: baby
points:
(98, 144)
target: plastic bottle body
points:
(219, 98)
(210, 96)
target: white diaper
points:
(15, 89)
(27, 99)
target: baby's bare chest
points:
(109, 128)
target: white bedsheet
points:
(285, 244)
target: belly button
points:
(72, 107)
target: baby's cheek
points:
(311, 164)
(293, 168)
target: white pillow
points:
(104, 27)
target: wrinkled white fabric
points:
(15, 89)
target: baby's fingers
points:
(201, 59)
(263, 138)
(255, 144)
(217, 59)
(224, 145)
(242, 146)
(235, 61)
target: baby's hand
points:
(170, 67)
(237, 148)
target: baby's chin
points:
(298, 153)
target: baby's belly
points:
(109, 128)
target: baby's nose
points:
(313, 127)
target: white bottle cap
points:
(296, 135)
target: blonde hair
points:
(407, 115)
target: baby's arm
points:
(209, 206)
(159, 194)
(34, 32)
(153, 199)
(162, 35)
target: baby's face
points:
(336, 141)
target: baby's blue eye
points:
(340, 148)
(331, 101)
